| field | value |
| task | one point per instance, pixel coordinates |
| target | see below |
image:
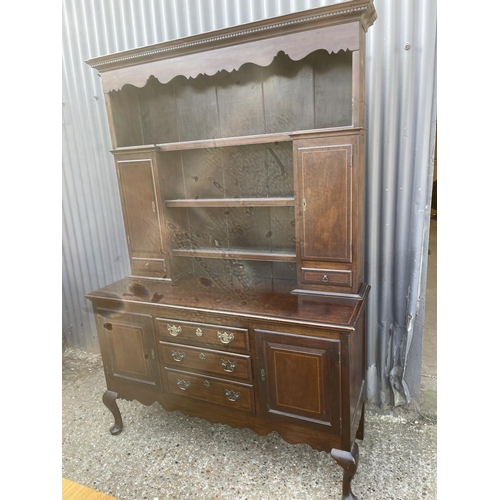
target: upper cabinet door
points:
(140, 206)
(324, 180)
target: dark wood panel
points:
(282, 230)
(140, 205)
(288, 94)
(196, 108)
(239, 98)
(158, 112)
(245, 172)
(325, 185)
(203, 173)
(208, 228)
(299, 377)
(128, 347)
(285, 270)
(332, 89)
(126, 117)
(249, 228)
(279, 162)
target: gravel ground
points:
(166, 455)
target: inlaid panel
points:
(140, 205)
(325, 185)
(299, 377)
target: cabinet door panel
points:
(140, 205)
(128, 348)
(299, 377)
(325, 186)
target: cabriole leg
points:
(349, 462)
(109, 399)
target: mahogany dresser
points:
(239, 155)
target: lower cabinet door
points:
(128, 349)
(299, 378)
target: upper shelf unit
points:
(300, 71)
(287, 95)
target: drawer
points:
(327, 276)
(219, 363)
(147, 267)
(201, 334)
(230, 394)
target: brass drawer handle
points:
(199, 332)
(225, 337)
(325, 278)
(228, 366)
(232, 395)
(174, 330)
(178, 355)
(202, 357)
(206, 384)
(183, 384)
(146, 265)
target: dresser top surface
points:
(280, 305)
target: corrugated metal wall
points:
(401, 115)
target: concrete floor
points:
(428, 395)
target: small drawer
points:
(209, 389)
(327, 276)
(147, 267)
(185, 332)
(218, 363)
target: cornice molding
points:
(360, 10)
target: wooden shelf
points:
(209, 253)
(232, 202)
(247, 140)
(225, 141)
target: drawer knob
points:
(183, 384)
(225, 337)
(202, 357)
(232, 395)
(199, 332)
(325, 277)
(174, 330)
(178, 355)
(227, 365)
